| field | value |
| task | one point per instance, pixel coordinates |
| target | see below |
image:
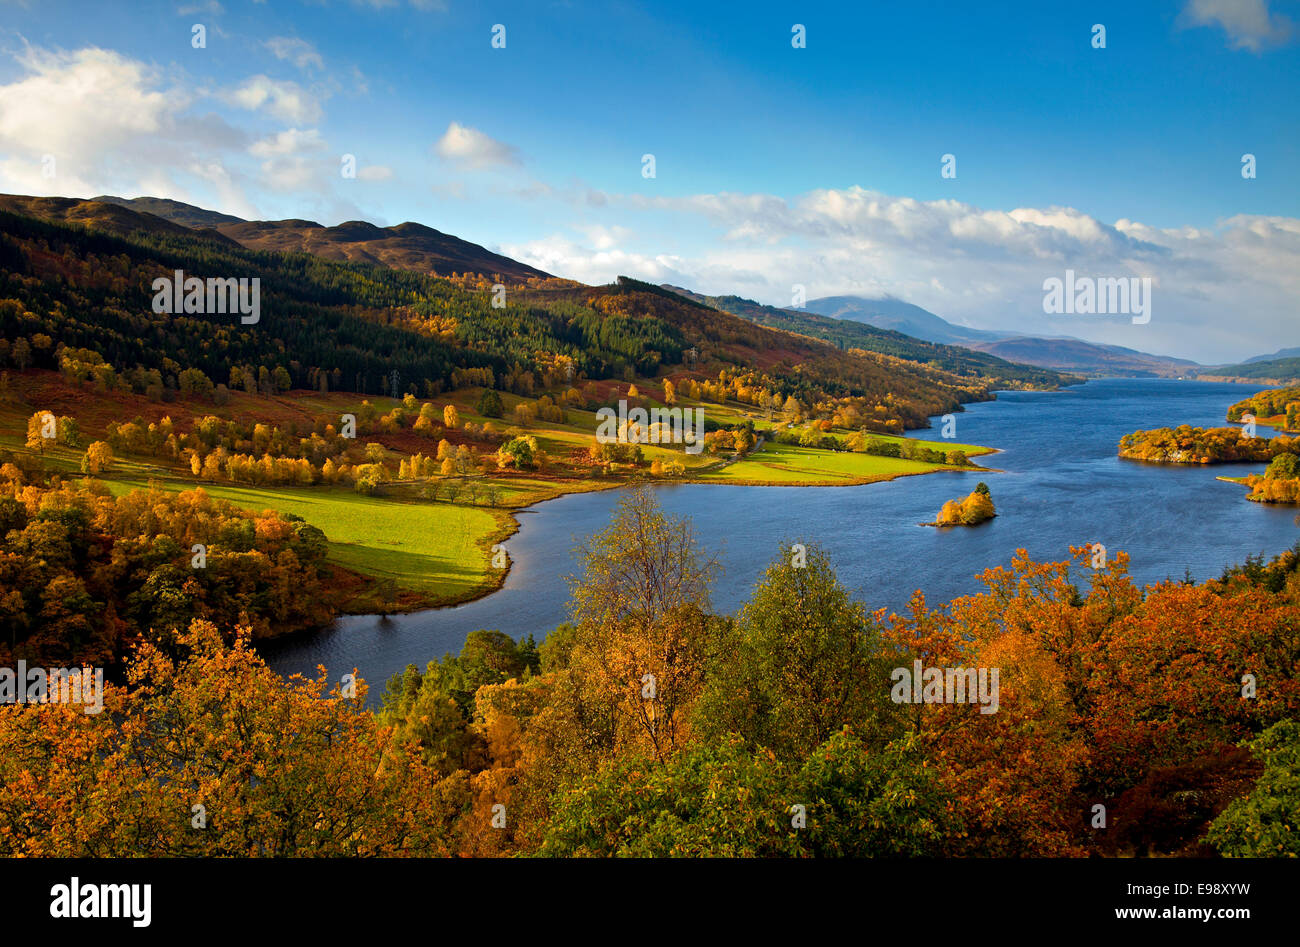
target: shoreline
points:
(512, 526)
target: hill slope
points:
(407, 246)
(1280, 353)
(349, 326)
(101, 215)
(1279, 371)
(187, 215)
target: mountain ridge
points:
(408, 245)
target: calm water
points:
(1061, 484)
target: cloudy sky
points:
(819, 166)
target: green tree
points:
(1283, 467)
(489, 404)
(802, 661)
(518, 451)
(720, 801)
(869, 803)
(1263, 824)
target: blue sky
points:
(774, 166)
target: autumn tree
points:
(977, 508)
(211, 753)
(98, 458)
(42, 431)
(641, 615)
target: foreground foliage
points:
(651, 726)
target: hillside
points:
(407, 246)
(101, 215)
(901, 389)
(850, 335)
(350, 326)
(187, 215)
(1280, 371)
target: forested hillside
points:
(337, 326)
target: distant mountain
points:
(1280, 353)
(1058, 354)
(407, 246)
(1088, 358)
(848, 334)
(888, 312)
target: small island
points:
(1280, 483)
(976, 508)
(1201, 445)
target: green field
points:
(440, 550)
(787, 464)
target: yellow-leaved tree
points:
(211, 753)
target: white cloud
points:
(470, 148)
(110, 123)
(1220, 293)
(291, 174)
(288, 142)
(289, 165)
(1248, 23)
(297, 51)
(563, 257)
(282, 99)
(73, 102)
